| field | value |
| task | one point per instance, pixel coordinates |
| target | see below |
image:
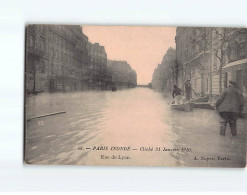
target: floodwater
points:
(127, 127)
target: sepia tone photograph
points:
(135, 96)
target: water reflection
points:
(134, 117)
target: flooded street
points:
(131, 127)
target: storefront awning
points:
(237, 65)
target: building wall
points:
(234, 58)
(194, 57)
(57, 57)
(196, 53)
(98, 66)
(123, 76)
(166, 73)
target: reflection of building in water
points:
(60, 58)
(123, 76)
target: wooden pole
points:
(49, 114)
(195, 92)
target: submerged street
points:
(129, 124)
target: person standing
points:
(177, 94)
(188, 89)
(229, 104)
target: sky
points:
(143, 47)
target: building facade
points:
(57, 58)
(98, 67)
(234, 63)
(123, 76)
(166, 73)
(210, 57)
(193, 55)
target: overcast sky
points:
(142, 47)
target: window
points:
(215, 60)
(67, 58)
(58, 55)
(42, 67)
(245, 80)
(42, 44)
(233, 52)
(42, 28)
(31, 41)
(55, 37)
(225, 59)
(53, 54)
(241, 50)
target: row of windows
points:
(64, 44)
(57, 40)
(237, 51)
(41, 28)
(42, 67)
(38, 44)
(63, 57)
(100, 55)
(234, 53)
(64, 30)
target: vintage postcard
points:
(135, 96)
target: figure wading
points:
(229, 104)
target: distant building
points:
(98, 66)
(166, 73)
(57, 58)
(123, 76)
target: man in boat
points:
(229, 104)
(188, 89)
(177, 94)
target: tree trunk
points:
(220, 78)
(202, 84)
(220, 71)
(63, 78)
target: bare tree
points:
(200, 43)
(215, 40)
(221, 38)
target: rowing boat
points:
(201, 99)
(188, 107)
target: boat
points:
(114, 89)
(201, 99)
(204, 105)
(188, 106)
